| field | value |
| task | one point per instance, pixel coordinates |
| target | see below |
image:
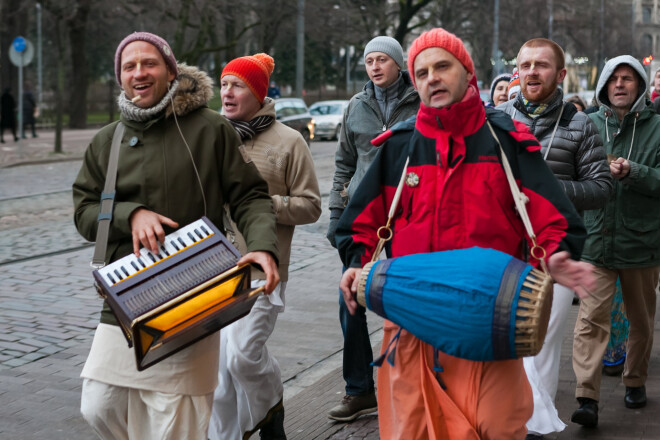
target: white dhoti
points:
(169, 400)
(249, 378)
(543, 369)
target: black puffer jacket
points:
(576, 156)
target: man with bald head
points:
(456, 196)
(178, 161)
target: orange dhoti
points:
(481, 400)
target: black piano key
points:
(111, 279)
(151, 256)
(199, 234)
(206, 231)
(183, 243)
(135, 266)
(118, 275)
(141, 262)
(192, 237)
(174, 245)
(164, 251)
(123, 269)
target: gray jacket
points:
(363, 121)
(576, 156)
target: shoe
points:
(15, 138)
(352, 407)
(635, 397)
(2, 141)
(533, 436)
(587, 414)
(613, 370)
(272, 426)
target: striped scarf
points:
(247, 129)
(534, 110)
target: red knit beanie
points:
(254, 71)
(439, 37)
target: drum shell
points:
(478, 304)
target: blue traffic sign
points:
(19, 44)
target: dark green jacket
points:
(626, 232)
(362, 123)
(155, 172)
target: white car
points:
(328, 116)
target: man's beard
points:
(547, 90)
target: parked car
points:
(327, 117)
(294, 113)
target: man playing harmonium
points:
(178, 161)
(455, 196)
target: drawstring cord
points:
(199, 180)
(633, 135)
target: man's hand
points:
(576, 275)
(348, 286)
(147, 230)
(268, 265)
(619, 168)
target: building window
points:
(646, 14)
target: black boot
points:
(273, 429)
(587, 414)
(635, 397)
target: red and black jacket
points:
(456, 193)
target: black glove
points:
(335, 213)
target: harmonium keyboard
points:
(164, 302)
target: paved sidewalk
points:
(48, 312)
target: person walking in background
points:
(655, 93)
(249, 396)
(178, 161)
(29, 111)
(498, 90)
(456, 196)
(7, 114)
(514, 85)
(573, 149)
(578, 102)
(623, 238)
(388, 97)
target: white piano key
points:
(183, 238)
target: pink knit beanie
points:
(152, 39)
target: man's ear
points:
(170, 75)
(561, 75)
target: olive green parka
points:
(156, 172)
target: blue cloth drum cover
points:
(478, 304)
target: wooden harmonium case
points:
(165, 302)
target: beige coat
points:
(285, 162)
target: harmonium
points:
(167, 301)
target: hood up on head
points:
(608, 70)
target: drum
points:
(478, 304)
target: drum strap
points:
(382, 239)
(520, 200)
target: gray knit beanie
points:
(388, 46)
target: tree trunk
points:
(79, 77)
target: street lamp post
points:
(39, 65)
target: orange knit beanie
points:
(439, 37)
(254, 71)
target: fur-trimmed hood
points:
(194, 91)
